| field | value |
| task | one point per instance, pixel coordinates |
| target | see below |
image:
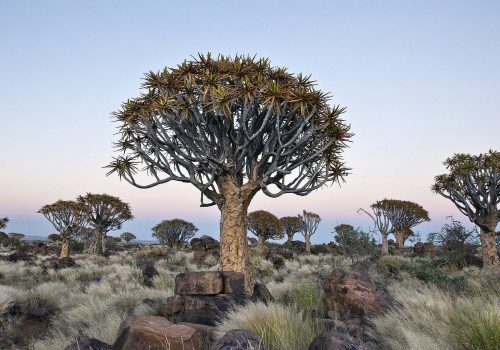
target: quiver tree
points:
(473, 185)
(174, 233)
(17, 236)
(127, 236)
(231, 127)
(104, 213)
(67, 217)
(3, 223)
(381, 214)
(291, 225)
(264, 226)
(310, 223)
(403, 215)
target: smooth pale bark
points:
(489, 248)
(308, 245)
(233, 229)
(64, 249)
(385, 244)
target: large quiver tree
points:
(104, 213)
(473, 185)
(264, 226)
(231, 127)
(67, 217)
(291, 225)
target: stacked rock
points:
(203, 297)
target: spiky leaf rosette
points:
(209, 117)
(264, 224)
(67, 216)
(472, 184)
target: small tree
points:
(127, 236)
(456, 243)
(353, 243)
(17, 236)
(66, 217)
(291, 225)
(174, 233)
(3, 223)
(310, 223)
(403, 215)
(381, 214)
(264, 226)
(232, 127)
(104, 213)
(473, 185)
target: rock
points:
(199, 283)
(88, 344)
(148, 274)
(335, 341)
(204, 243)
(421, 249)
(156, 333)
(233, 282)
(57, 264)
(239, 339)
(285, 253)
(207, 332)
(201, 256)
(277, 260)
(8, 342)
(19, 256)
(40, 312)
(13, 308)
(261, 293)
(336, 326)
(298, 246)
(354, 294)
(201, 309)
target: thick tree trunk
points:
(96, 244)
(489, 248)
(103, 244)
(64, 249)
(233, 229)
(385, 244)
(308, 245)
(260, 244)
(400, 238)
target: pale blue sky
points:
(420, 79)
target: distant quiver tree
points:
(231, 127)
(381, 216)
(473, 185)
(104, 213)
(264, 226)
(310, 223)
(291, 225)
(127, 236)
(67, 217)
(174, 233)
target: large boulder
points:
(19, 256)
(202, 309)
(148, 274)
(233, 282)
(199, 283)
(206, 257)
(335, 341)
(261, 293)
(354, 294)
(285, 253)
(204, 243)
(239, 339)
(59, 263)
(88, 344)
(156, 333)
(298, 246)
(277, 260)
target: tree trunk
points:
(400, 238)
(233, 228)
(308, 244)
(64, 249)
(96, 244)
(260, 244)
(289, 239)
(385, 244)
(489, 248)
(103, 244)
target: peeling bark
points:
(96, 244)
(64, 249)
(233, 228)
(260, 244)
(489, 248)
(400, 238)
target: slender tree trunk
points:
(233, 229)
(489, 248)
(260, 243)
(96, 244)
(103, 244)
(290, 238)
(400, 238)
(64, 249)
(385, 244)
(308, 244)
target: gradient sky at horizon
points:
(420, 80)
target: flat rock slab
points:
(88, 344)
(233, 282)
(156, 333)
(199, 283)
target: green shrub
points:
(77, 247)
(425, 271)
(393, 263)
(54, 237)
(305, 297)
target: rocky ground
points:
(149, 297)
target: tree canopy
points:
(173, 233)
(264, 226)
(3, 222)
(66, 216)
(291, 225)
(127, 236)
